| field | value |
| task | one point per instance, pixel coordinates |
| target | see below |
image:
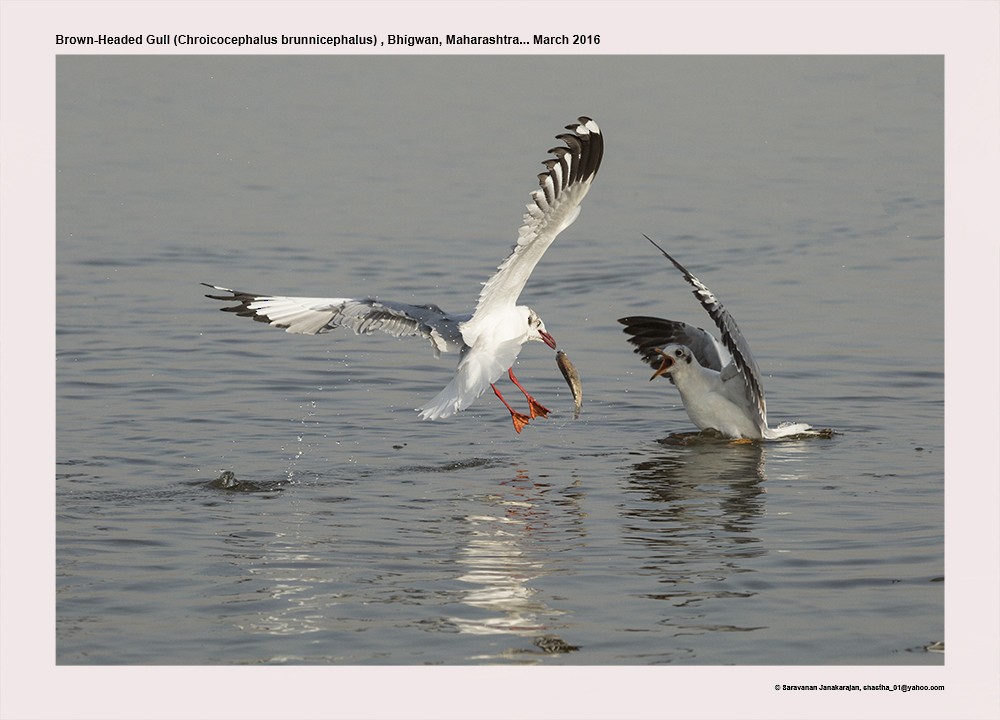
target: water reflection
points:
(289, 588)
(344, 573)
(690, 476)
(504, 552)
(695, 517)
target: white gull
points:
(719, 383)
(488, 339)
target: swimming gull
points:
(488, 339)
(719, 383)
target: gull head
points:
(536, 330)
(673, 356)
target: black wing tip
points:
(216, 287)
(585, 144)
(647, 333)
(243, 309)
(636, 320)
(650, 321)
(668, 256)
(233, 294)
(236, 295)
(585, 123)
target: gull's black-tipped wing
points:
(311, 316)
(732, 338)
(553, 208)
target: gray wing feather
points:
(312, 316)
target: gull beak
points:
(547, 339)
(667, 363)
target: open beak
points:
(548, 339)
(667, 363)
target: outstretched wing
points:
(732, 338)
(552, 209)
(311, 316)
(650, 334)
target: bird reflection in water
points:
(697, 516)
(502, 557)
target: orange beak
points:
(667, 363)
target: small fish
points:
(572, 379)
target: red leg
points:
(518, 419)
(535, 407)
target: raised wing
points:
(732, 338)
(311, 316)
(650, 334)
(552, 209)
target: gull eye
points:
(678, 352)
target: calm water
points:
(806, 192)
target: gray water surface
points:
(807, 193)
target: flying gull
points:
(719, 383)
(489, 339)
